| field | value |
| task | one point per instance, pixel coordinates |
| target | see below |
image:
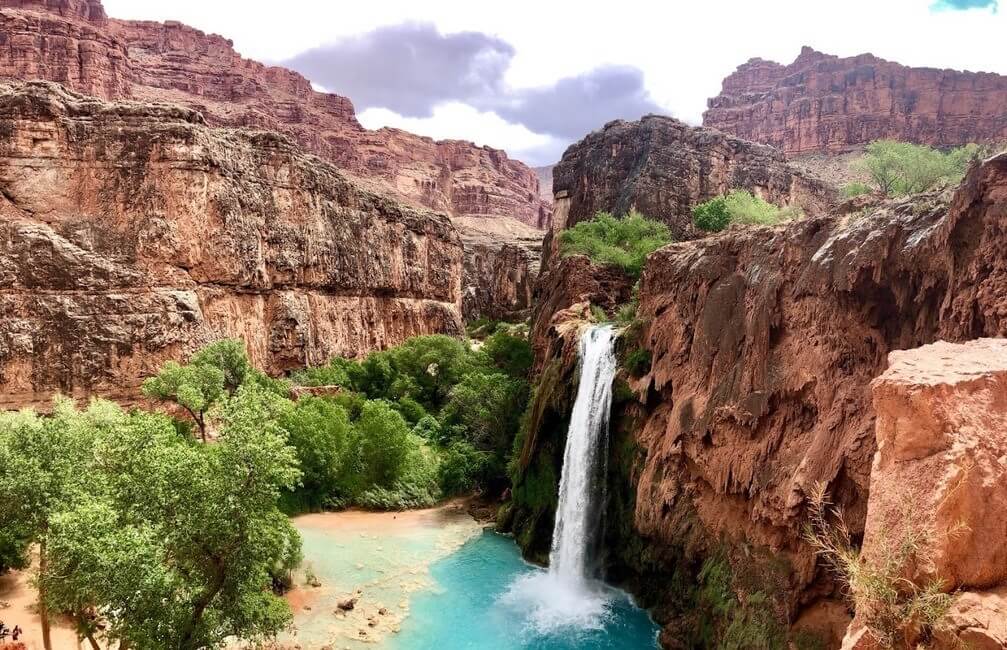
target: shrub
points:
(852, 190)
(741, 207)
(712, 215)
(892, 607)
(901, 168)
(638, 362)
(623, 243)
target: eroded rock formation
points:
(73, 43)
(132, 233)
(502, 259)
(663, 168)
(764, 342)
(940, 476)
(823, 103)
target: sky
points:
(533, 76)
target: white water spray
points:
(566, 597)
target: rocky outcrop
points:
(663, 168)
(72, 42)
(940, 476)
(763, 344)
(823, 103)
(133, 233)
(502, 259)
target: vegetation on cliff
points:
(741, 207)
(901, 168)
(623, 242)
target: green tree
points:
(43, 471)
(624, 243)
(511, 354)
(742, 207)
(228, 356)
(901, 168)
(385, 442)
(170, 543)
(321, 432)
(487, 408)
(194, 387)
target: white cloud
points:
(457, 121)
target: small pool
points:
(484, 596)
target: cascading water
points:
(566, 598)
(582, 482)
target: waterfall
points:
(582, 483)
(566, 598)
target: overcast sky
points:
(532, 76)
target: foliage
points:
(461, 467)
(320, 431)
(712, 215)
(855, 189)
(196, 388)
(174, 542)
(509, 353)
(740, 207)
(892, 606)
(638, 362)
(623, 243)
(901, 168)
(740, 622)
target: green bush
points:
(461, 467)
(624, 243)
(902, 168)
(638, 362)
(852, 190)
(740, 207)
(712, 215)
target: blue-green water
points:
(486, 597)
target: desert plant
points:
(621, 242)
(855, 189)
(901, 168)
(895, 610)
(740, 207)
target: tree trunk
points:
(188, 641)
(43, 610)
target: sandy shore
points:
(17, 607)
(377, 559)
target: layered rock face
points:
(71, 42)
(663, 168)
(940, 474)
(823, 103)
(502, 260)
(131, 234)
(764, 342)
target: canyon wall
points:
(823, 103)
(763, 343)
(663, 168)
(133, 233)
(73, 43)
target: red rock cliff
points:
(132, 233)
(764, 342)
(823, 103)
(663, 168)
(71, 42)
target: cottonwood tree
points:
(166, 543)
